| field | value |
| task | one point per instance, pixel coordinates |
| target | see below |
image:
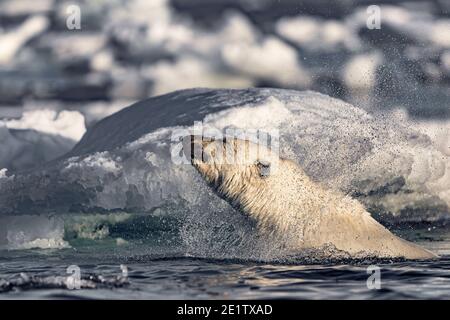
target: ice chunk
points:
(68, 124)
(125, 162)
(315, 34)
(190, 71)
(272, 59)
(39, 136)
(360, 72)
(12, 42)
(26, 232)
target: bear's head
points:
(229, 164)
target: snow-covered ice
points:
(124, 162)
(38, 136)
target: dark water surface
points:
(42, 274)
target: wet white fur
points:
(288, 203)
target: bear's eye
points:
(264, 168)
(209, 153)
(205, 157)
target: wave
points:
(25, 281)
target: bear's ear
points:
(263, 167)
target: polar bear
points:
(278, 195)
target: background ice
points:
(38, 136)
(129, 50)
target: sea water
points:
(43, 274)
